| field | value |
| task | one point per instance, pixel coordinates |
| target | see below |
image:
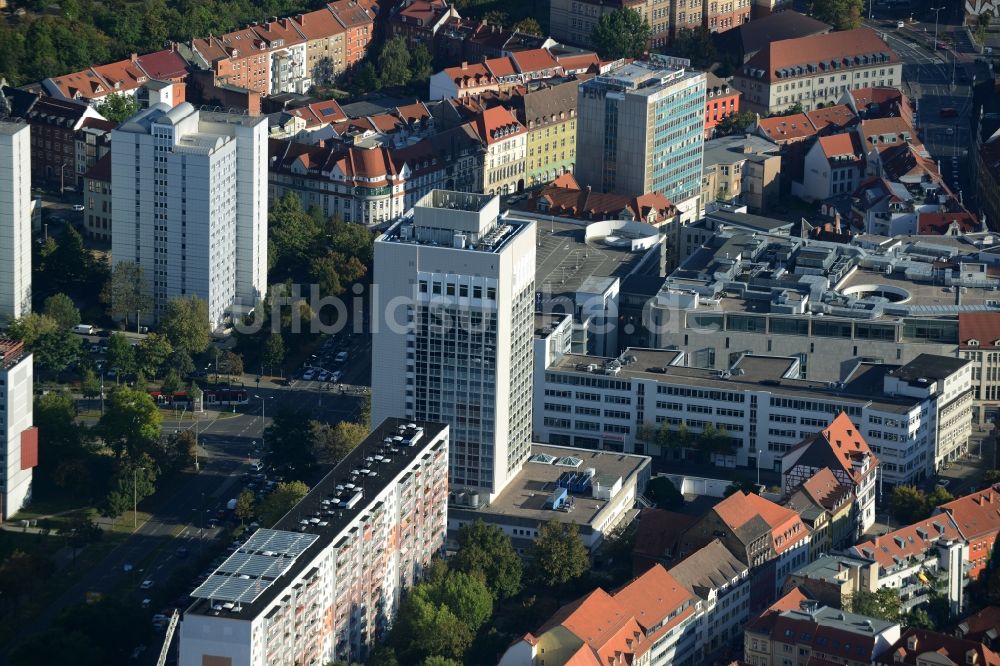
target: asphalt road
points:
(934, 80)
(225, 439)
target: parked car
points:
(79, 208)
(336, 376)
(146, 584)
(308, 375)
(324, 376)
(900, 24)
(340, 357)
(943, 483)
(84, 329)
(948, 112)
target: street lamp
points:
(135, 497)
(263, 403)
(937, 13)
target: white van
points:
(84, 329)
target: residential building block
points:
(15, 220)
(189, 205)
(19, 453)
(325, 583)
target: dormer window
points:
(973, 342)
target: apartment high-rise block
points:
(641, 127)
(325, 583)
(189, 205)
(15, 220)
(18, 437)
(453, 331)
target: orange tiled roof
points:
(492, 123)
(825, 488)
(910, 541)
(843, 145)
(319, 24)
(740, 508)
(977, 514)
(938, 224)
(534, 60)
(283, 29)
(819, 51)
(983, 327)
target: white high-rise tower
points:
(15, 220)
(452, 331)
(189, 205)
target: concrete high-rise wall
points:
(456, 344)
(189, 205)
(15, 220)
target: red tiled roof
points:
(284, 29)
(838, 146)
(534, 60)
(165, 65)
(350, 13)
(244, 41)
(564, 197)
(319, 24)
(837, 115)
(951, 650)
(977, 514)
(426, 12)
(658, 531)
(122, 75)
(740, 508)
(818, 51)
(938, 224)
(787, 128)
(910, 541)
(579, 63)
(490, 122)
(825, 489)
(975, 627)
(983, 327)
(501, 67)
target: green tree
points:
(56, 350)
(281, 500)
(290, 447)
(394, 63)
(438, 660)
(991, 477)
(184, 449)
(735, 123)
(79, 532)
(134, 481)
(171, 383)
(61, 309)
(883, 604)
(185, 324)
(365, 80)
(332, 444)
(841, 14)
(121, 354)
(246, 506)
(920, 619)
(664, 493)
(696, 45)
(622, 33)
(231, 363)
(127, 291)
(558, 554)
(90, 385)
(746, 487)
(529, 26)
(31, 327)
(486, 552)
(21, 574)
(152, 353)
(908, 504)
(70, 259)
(424, 629)
(466, 595)
(421, 63)
(936, 498)
(118, 107)
(274, 351)
(181, 362)
(131, 422)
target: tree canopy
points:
(185, 324)
(62, 310)
(883, 603)
(485, 551)
(622, 33)
(841, 14)
(284, 496)
(127, 291)
(664, 493)
(131, 422)
(118, 107)
(558, 555)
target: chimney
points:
(283, 22)
(134, 57)
(465, 65)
